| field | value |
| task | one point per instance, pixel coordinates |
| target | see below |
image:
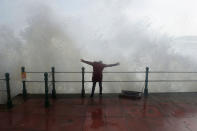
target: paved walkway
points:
(160, 112)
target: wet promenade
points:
(160, 112)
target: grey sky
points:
(177, 17)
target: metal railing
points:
(7, 80)
(83, 81)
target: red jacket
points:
(98, 67)
(97, 75)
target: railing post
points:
(146, 83)
(23, 76)
(83, 90)
(9, 101)
(53, 83)
(46, 89)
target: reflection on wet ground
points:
(159, 112)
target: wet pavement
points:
(159, 112)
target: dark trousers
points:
(94, 85)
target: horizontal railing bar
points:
(67, 81)
(118, 81)
(36, 72)
(68, 72)
(103, 72)
(115, 72)
(85, 81)
(34, 81)
(102, 81)
(170, 72)
(172, 81)
(128, 81)
(52, 81)
(122, 72)
(127, 72)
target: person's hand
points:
(117, 63)
(81, 60)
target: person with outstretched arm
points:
(97, 74)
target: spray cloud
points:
(102, 31)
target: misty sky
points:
(176, 19)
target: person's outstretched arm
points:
(110, 65)
(87, 62)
